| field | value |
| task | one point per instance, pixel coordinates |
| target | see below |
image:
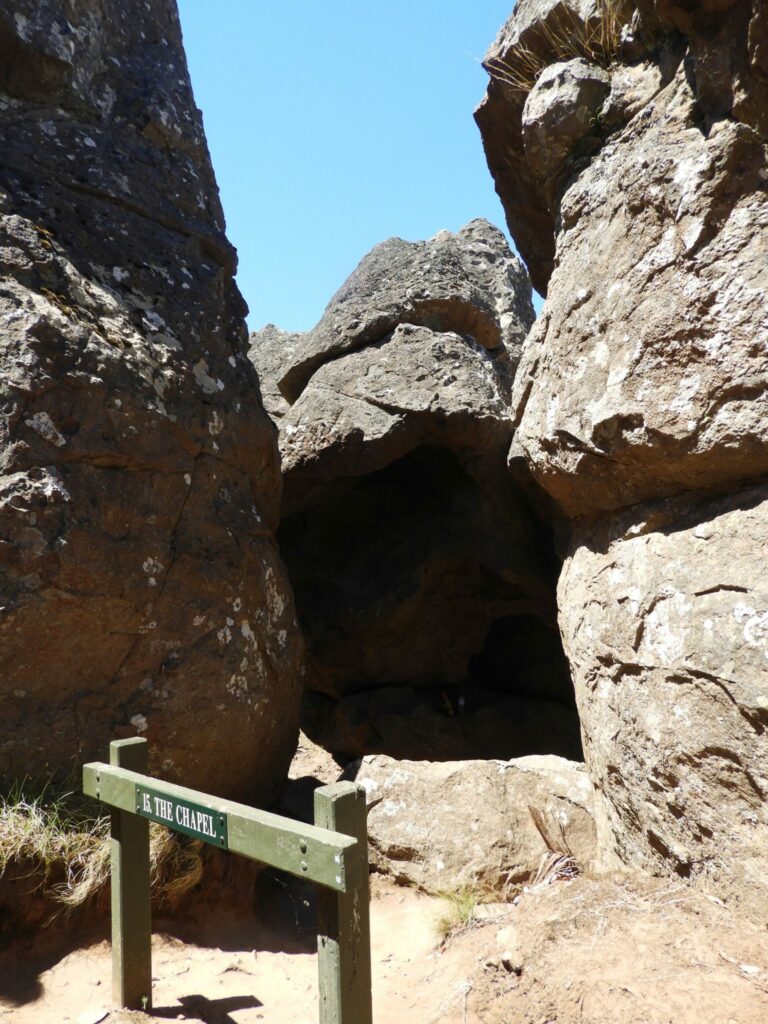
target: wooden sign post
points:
(333, 853)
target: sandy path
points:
(242, 985)
(593, 951)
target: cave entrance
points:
(426, 593)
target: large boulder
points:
(657, 191)
(414, 559)
(664, 612)
(457, 824)
(142, 591)
(621, 395)
(640, 400)
(469, 282)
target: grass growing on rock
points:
(53, 836)
(561, 38)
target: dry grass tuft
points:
(47, 830)
(461, 905)
(54, 834)
(564, 36)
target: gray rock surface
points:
(271, 351)
(361, 411)
(413, 559)
(538, 34)
(640, 408)
(453, 824)
(141, 588)
(664, 613)
(645, 375)
(561, 110)
(469, 282)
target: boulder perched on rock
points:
(560, 112)
(455, 824)
(141, 587)
(413, 558)
(538, 35)
(271, 350)
(362, 411)
(469, 282)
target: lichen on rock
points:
(142, 590)
(640, 407)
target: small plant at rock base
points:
(562, 37)
(459, 913)
(557, 862)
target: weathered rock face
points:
(646, 376)
(622, 397)
(415, 386)
(539, 33)
(459, 823)
(139, 479)
(469, 282)
(664, 612)
(559, 112)
(271, 350)
(413, 558)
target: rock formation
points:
(665, 621)
(630, 154)
(142, 591)
(424, 583)
(445, 826)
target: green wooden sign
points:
(182, 816)
(333, 853)
(317, 854)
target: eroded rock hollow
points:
(424, 581)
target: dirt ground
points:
(610, 951)
(621, 950)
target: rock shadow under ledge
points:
(427, 604)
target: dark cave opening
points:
(426, 593)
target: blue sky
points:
(333, 125)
